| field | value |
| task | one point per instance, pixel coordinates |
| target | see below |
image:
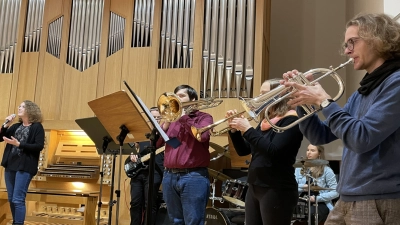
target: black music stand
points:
(100, 137)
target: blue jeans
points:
(186, 196)
(17, 184)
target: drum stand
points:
(213, 198)
(316, 211)
(308, 176)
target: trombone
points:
(171, 108)
(254, 106)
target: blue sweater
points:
(369, 127)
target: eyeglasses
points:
(350, 43)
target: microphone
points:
(7, 121)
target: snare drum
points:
(235, 192)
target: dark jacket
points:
(273, 154)
(30, 149)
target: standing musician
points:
(272, 194)
(186, 183)
(24, 141)
(140, 183)
(325, 178)
(369, 184)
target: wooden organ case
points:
(63, 54)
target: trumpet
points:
(197, 132)
(256, 105)
(171, 108)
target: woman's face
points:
(21, 109)
(312, 152)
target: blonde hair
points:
(317, 171)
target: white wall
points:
(308, 34)
(392, 7)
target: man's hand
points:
(134, 158)
(304, 95)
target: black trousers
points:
(139, 192)
(270, 206)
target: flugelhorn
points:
(171, 108)
(256, 105)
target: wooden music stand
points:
(117, 109)
(121, 118)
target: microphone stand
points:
(121, 138)
(106, 140)
(153, 137)
(316, 210)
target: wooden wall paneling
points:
(78, 89)
(13, 104)
(140, 63)
(123, 8)
(114, 63)
(27, 76)
(48, 92)
(6, 84)
(113, 72)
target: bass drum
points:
(215, 217)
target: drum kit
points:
(233, 191)
(302, 210)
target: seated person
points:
(323, 177)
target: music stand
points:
(96, 132)
(155, 134)
(102, 139)
(121, 119)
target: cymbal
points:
(220, 149)
(317, 188)
(310, 162)
(218, 175)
